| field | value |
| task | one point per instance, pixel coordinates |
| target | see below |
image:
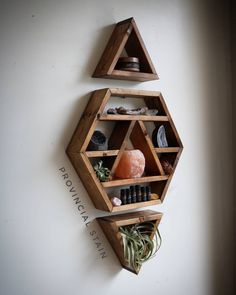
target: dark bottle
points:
(128, 196)
(132, 189)
(133, 195)
(143, 194)
(138, 193)
(123, 197)
(148, 193)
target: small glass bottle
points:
(143, 194)
(128, 196)
(123, 197)
(138, 193)
(148, 193)
(133, 195)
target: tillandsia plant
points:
(138, 244)
(102, 173)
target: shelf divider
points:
(136, 205)
(123, 146)
(119, 117)
(167, 150)
(122, 182)
(107, 153)
(141, 140)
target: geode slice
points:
(159, 137)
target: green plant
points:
(101, 172)
(138, 244)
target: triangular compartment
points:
(125, 41)
(111, 224)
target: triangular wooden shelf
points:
(110, 226)
(125, 37)
(126, 127)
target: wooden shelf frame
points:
(132, 181)
(132, 129)
(133, 118)
(111, 224)
(125, 36)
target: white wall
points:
(49, 50)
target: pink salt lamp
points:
(131, 165)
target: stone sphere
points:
(131, 165)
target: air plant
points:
(101, 172)
(138, 244)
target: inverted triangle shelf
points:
(111, 228)
(123, 133)
(125, 41)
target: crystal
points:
(131, 165)
(167, 167)
(159, 137)
(116, 201)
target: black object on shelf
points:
(132, 189)
(128, 64)
(98, 142)
(148, 193)
(138, 193)
(143, 194)
(133, 196)
(123, 197)
(128, 196)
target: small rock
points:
(167, 167)
(116, 201)
(111, 111)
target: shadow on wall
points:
(233, 52)
(109, 266)
(73, 119)
(102, 37)
(216, 141)
(92, 261)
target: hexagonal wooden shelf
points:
(125, 38)
(111, 224)
(126, 131)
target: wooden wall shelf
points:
(125, 37)
(131, 129)
(110, 226)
